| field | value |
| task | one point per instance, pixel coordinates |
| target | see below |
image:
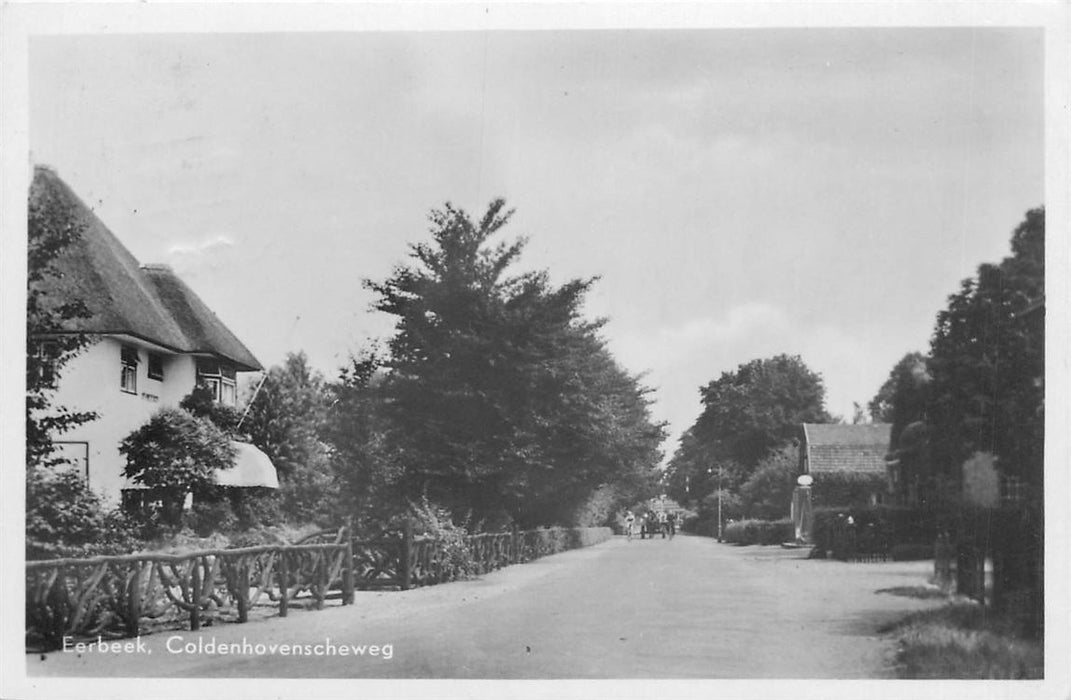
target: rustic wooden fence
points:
(125, 595)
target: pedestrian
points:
(629, 520)
(672, 524)
(663, 523)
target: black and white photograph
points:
(535, 350)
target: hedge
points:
(874, 531)
(759, 532)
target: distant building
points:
(847, 462)
(153, 341)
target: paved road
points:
(682, 608)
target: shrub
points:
(256, 506)
(64, 518)
(846, 489)
(436, 522)
(208, 517)
(176, 453)
(875, 530)
(759, 532)
(911, 552)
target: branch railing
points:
(127, 594)
(122, 594)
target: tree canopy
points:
(52, 227)
(499, 397)
(750, 415)
(901, 400)
(758, 408)
(175, 453)
(987, 360)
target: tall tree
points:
(758, 408)
(286, 416)
(988, 363)
(52, 227)
(500, 397)
(901, 400)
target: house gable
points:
(835, 448)
(124, 298)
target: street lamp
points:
(711, 471)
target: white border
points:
(18, 21)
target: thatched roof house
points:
(153, 339)
(147, 302)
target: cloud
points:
(201, 247)
(680, 359)
(190, 258)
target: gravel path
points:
(682, 608)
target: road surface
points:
(682, 608)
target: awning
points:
(251, 468)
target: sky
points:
(740, 193)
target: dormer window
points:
(128, 377)
(220, 379)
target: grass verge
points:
(964, 640)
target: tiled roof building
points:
(828, 448)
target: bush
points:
(207, 518)
(176, 453)
(764, 532)
(64, 518)
(911, 552)
(437, 523)
(846, 489)
(874, 530)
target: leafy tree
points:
(500, 398)
(753, 411)
(61, 511)
(988, 363)
(694, 471)
(201, 403)
(287, 414)
(176, 453)
(52, 227)
(901, 400)
(366, 470)
(286, 419)
(767, 494)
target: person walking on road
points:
(629, 520)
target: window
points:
(1012, 490)
(128, 379)
(220, 379)
(46, 355)
(156, 366)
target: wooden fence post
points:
(347, 571)
(195, 595)
(322, 575)
(284, 581)
(405, 568)
(133, 599)
(243, 590)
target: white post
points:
(719, 502)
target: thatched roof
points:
(123, 297)
(845, 448)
